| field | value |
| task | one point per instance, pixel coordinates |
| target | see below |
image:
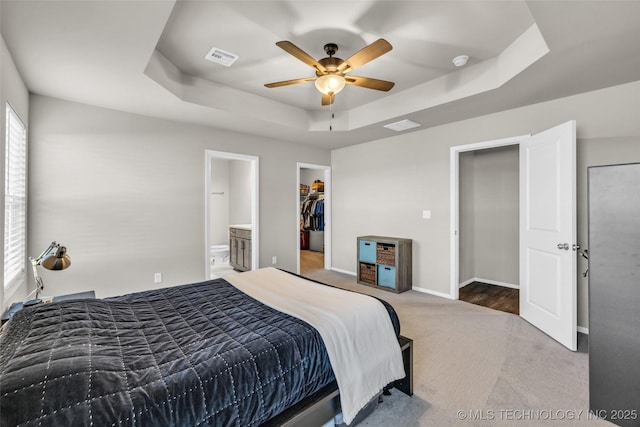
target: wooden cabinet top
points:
(385, 239)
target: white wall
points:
(489, 215)
(381, 187)
(13, 91)
(125, 194)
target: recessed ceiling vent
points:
(402, 125)
(221, 57)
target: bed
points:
(209, 353)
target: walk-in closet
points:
(312, 220)
(489, 227)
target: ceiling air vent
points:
(402, 125)
(221, 57)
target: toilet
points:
(219, 254)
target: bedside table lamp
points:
(53, 258)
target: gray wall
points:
(13, 91)
(230, 198)
(125, 194)
(219, 198)
(410, 172)
(466, 219)
(239, 192)
(307, 176)
(489, 215)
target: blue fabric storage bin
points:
(387, 276)
(367, 251)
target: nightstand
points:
(17, 306)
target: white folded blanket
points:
(356, 330)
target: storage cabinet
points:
(240, 248)
(385, 262)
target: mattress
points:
(196, 354)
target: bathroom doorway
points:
(314, 218)
(231, 213)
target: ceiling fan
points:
(331, 71)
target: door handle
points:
(564, 246)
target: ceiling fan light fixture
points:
(330, 83)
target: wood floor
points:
(311, 261)
(495, 297)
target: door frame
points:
(455, 202)
(327, 212)
(254, 163)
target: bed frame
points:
(323, 405)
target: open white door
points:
(548, 232)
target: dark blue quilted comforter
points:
(199, 354)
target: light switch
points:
(426, 214)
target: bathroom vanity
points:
(240, 247)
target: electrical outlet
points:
(274, 260)
(426, 214)
(157, 278)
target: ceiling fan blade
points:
(290, 82)
(366, 54)
(328, 99)
(369, 83)
(303, 56)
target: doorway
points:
(547, 228)
(458, 153)
(313, 225)
(489, 228)
(231, 213)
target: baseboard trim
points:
(466, 282)
(339, 270)
(580, 329)
(488, 282)
(423, 290)
(430, 292)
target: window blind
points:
(15, 192)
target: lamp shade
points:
(330, 83)
(58, 261)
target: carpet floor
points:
(474, 366)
